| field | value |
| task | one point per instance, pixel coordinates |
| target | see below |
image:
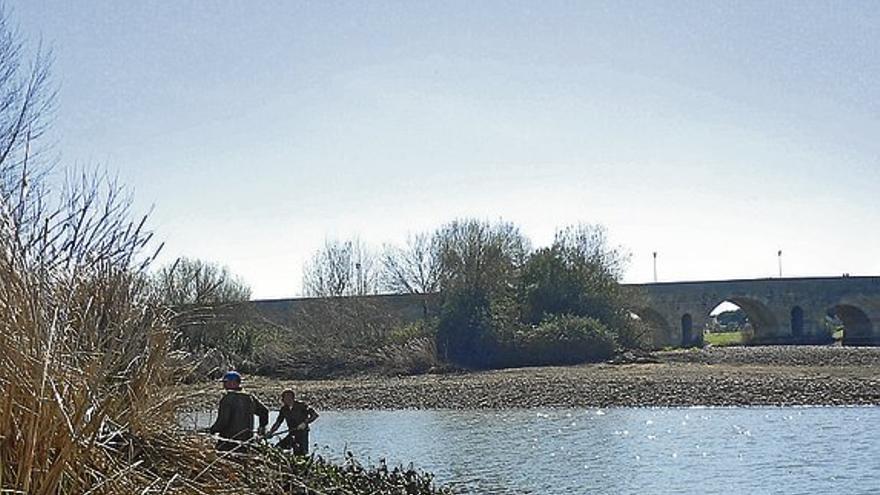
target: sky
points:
(712, 133)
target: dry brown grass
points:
(83, 352)
(325, 338)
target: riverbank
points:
(730, 376)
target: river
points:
(804, 450)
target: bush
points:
(325, 338)
(496, 342)
(564, 339)
(577, 275)
(470, 330)
(414, 356)
(632, 333)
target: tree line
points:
(497, 300)
(502, 302)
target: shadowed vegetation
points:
(325, 338)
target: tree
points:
(341, 268)
(733, 320)
(480, 256)
(587, 245)
(577, 275)
(206, 301)
(414, 268)
(26, 103)
(194, 282)
(480, 264)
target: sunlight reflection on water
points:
(652, 450)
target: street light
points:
(779, 255)
(655, 267)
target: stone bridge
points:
(780, 310)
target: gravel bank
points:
(805, 355)
(701, 377)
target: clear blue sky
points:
(714, 133)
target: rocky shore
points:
(731, 376)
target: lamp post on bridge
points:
(779, 255)
(655, 267)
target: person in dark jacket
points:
(235, 419)
(298, 415)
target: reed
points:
(83, 351)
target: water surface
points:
(621, 451)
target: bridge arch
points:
(857, 326)
(760, 316)
(661, 332)
(777, 310)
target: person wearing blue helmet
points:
(235, 418)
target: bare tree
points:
(341, 268)
(26, 103)
(196, 282)
(587, 244)
(413, 268)
(481, 256)
(205, 299)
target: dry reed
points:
(83, 351)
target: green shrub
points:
(464, 329)
(564, 339)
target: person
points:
(298, 416)
(235, 418)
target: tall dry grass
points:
(333, 337)
(86, 360)
(83, 351)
